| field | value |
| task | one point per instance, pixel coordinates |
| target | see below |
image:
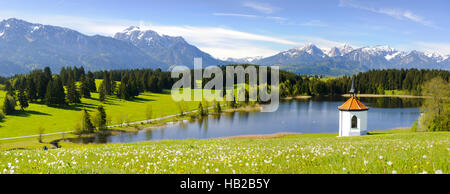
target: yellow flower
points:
(415, 166)
(428, 163)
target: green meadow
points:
(59, 119)
(394, 151)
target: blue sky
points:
(255, 27)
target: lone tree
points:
(100, 118)
(436, 108)
(216, 107)
(9, 105)
(182, 107)
(201, 110)
(86, 124)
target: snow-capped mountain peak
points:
(244, 60)
(308, 49)
(378, 50)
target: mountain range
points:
(348, 60)
(25, 46)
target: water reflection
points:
(316, 115)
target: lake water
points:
(316, 115)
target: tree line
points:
(72, 83)
(370, 82)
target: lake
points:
(315, 115)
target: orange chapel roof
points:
(353, 104)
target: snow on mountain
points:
(25, 46)
(173, 50)
(346, 57)
(244, 60)
(394, 55)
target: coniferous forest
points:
(72, 83)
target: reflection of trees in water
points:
(183, 125)
(149, 134)
(393, 102)
(243, 116)
(230, 116)
(97, 138)
(203, 124)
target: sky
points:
(250, 28)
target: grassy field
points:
(395, 151)
(54, 119)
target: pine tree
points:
(84, 87)
(49, 98)
(9, 89)
(72, 94)
(23, 100)
(42, 84)
(31, 89)
(201, 110)
(91, 82)
(63, 74)
(102, 92)
(58, 90)
(107, 83)
(9, 105)
(55, 93)
(86, 124)
(100, 118)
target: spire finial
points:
(353, 90)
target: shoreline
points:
(385, 95)
(296, 97)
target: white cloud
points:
(261, 7)
(316, 23)
(396, 13)
(222, 42)
(277, 18)
(434, 47)
(236, 15)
